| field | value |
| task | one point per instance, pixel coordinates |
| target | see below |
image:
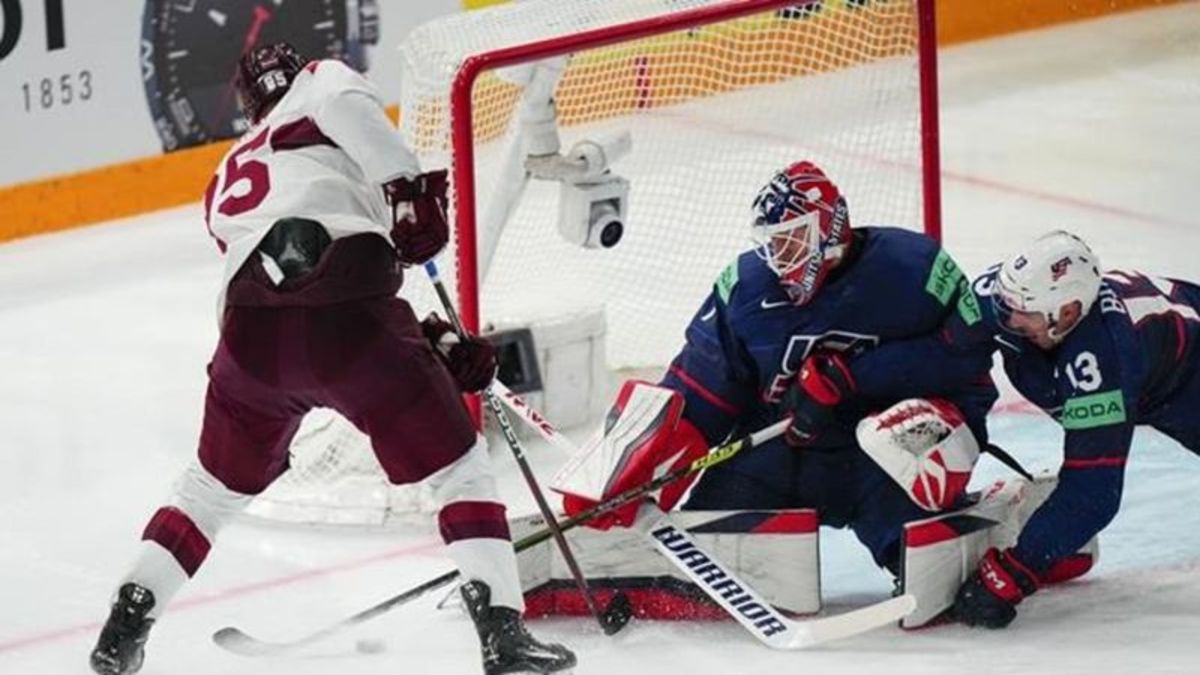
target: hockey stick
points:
(238, 642)
(1008, 460)
(746, 606)
(735, 596)
(614, 617)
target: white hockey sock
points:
(474, 528)
(493, 562)
(157, 570)
(179, 536)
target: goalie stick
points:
(619, 610)
(238, 642)
(751, 610)
(736, 597)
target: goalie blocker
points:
(644, 435)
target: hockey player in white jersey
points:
(318, 209)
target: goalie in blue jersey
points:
(869, 448)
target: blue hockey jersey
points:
(747, 342)
(1131, 360)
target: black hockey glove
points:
(824, 382)
(471, 361)
(990, 597)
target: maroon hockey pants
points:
(366, 359)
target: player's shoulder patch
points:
(727, 279)
(744, 281)
(913, 259)
(946, 283)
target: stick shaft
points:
(514, 444)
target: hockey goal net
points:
(715, 96)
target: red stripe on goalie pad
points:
(799, 521)
(795, 522)
(175, 531)
(660, 604)
(472, 520)
(943, 529)
(929, 534)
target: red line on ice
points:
(230, 593)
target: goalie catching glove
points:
(925, 446)
(644, 436)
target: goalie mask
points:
(801, 227)
(1055, 270)
(264, 75)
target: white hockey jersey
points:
(322, 153)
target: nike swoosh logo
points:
(773, 305)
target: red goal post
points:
(463, 128)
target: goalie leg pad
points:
(941, 552)
(774, 551)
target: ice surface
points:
(104, 334)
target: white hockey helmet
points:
(1054, 270)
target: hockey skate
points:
(507, 646)
(121, 648)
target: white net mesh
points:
(714, 111)
(334, 479)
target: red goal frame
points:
(462, 122)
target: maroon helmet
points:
(264, 75)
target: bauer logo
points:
(706, 571)
(1095, 410)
